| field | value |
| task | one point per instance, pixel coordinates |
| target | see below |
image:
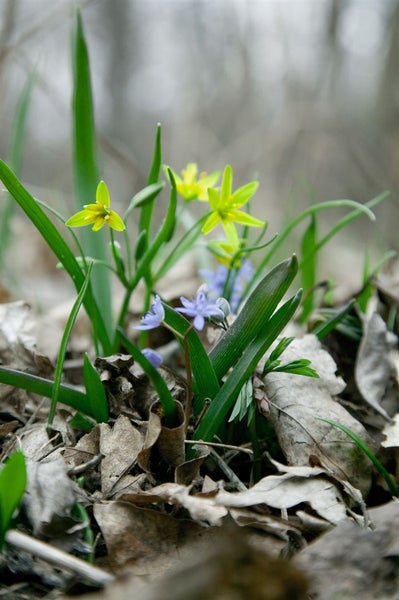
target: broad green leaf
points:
(95, 392)
(12, 488)
(254, 316)
(206, 383)
(225, 398)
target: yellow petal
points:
(98, 223)
(80, 219)
(240, 216)
(115, 221)
(210, 223)
(102, 194)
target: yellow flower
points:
(224, 206)
(98, 213)
(192, 187)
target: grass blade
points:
(63, 347)
(12, 488)
(86, 173)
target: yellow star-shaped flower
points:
(99, 213)
(193, 187)
(225, 207)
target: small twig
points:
(58, 557)
(218, 445)
(224, 467)
(79, 469)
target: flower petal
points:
(231, 232)
(244, 193)
(227, 183)
(102, 194)
(80, 219)
(213, 198)
(211, 222)
(246, 219)
(115, 221)
(98, 223)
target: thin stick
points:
(58, 557)
(218, 445)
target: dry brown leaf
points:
(49, 497)
(147, 540)
(298, 403)
(120, 446)
(309, 485)
(375, 370)
(18, 340)
(353, 562)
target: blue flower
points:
(154, 317)
(216, 281)
(153, 357)
(201, 308)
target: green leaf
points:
(95, 392)
(308, 268)
(297, 367)
(38, 385)
(359, 209)
(12, 488)
(144, 196)
(153, 177)
(254, 316)
(85, 163)
(63, 346)
(15, 153)
(60, 248)
(225, 398)
(245, 400)
(206, 383)
(393, 488)
(336, 318)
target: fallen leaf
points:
(375, 372)
(298, 403)
(354, 562)
(120, 446)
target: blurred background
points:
(302, 95)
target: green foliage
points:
(12, 488)
(393, 488)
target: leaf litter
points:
(164, 525)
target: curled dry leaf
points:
(298, 403)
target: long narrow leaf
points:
(95, 392)
(58, 245)
(254, 316)
(224, 400)
(39, 385)
(206, 383)
(15, 158)
(85, 163)
(63, 347)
